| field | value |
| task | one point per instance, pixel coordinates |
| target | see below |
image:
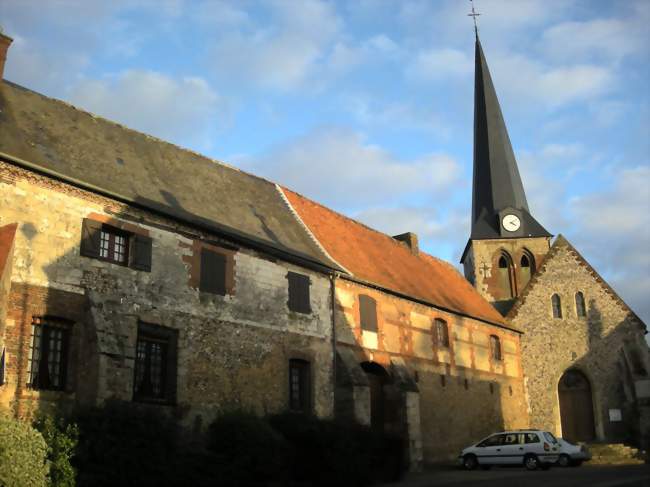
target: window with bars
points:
(299, 300)
(155, 364)
(495, 347)
(299, 386)
(442, 333)
(48, 354)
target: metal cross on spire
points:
(474, 15)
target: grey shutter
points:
(91, 233)
(141, 256)
(213, 272)
(299, 293)
(368, 313)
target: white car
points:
(572, 455)
(530, 448)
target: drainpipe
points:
(333, 277)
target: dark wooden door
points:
(377, 401)
(576, 407)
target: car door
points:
(489, 450)
(512, 449)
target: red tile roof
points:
(378, 259)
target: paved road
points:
(586, 475)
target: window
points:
(556, 303)
(443, 380)
(298, 293)
(442, 333)
(299, 386)
(213, 272)
(581, 311)
(368, 313)
(494, 440)
(527, 268)
(3, 362)
(531, 438)
(511, 439)
(506, 281)
(155, 364)
(495, 347)
(48, 354)
(112, 244)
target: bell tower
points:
(506, 243)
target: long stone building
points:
(133, 269)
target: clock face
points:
(511, 223)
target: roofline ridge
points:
(312, 237)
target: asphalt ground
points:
(585, 475)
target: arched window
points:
(527, 267)
(495, 347)
(556, 303)
(505, 273)
(367, 313)
(442, 333)
(581, 310)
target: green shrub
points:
(124, 444)
(61, 438)
(247, 450)
(23, 454)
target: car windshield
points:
(549, 437)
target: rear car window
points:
(531, 438)
(549, 437)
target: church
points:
(133, 269)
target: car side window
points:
(531, 438)
(492, 441)
(549, 437)
(511, 439)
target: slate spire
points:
(497, 186)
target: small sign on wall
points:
(615, 415)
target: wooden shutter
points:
(299, 293)
(141, 254)
(91, 232)
(368, 313)
(213, 272)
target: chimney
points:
(411, 241)
(5, 41)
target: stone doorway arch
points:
(576, 406)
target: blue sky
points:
(367, 105)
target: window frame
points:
(443, 341)
(556, 306)
(496, 352)
(154, 334)
(581, 305)
(113, 233)
(42, 329)
(300, 382)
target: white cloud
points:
(179, 110)
(435, 64)
(340, 168)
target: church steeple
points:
(498, 192)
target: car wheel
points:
(531, 462)
(470, 462)
(564, 460)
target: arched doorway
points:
(377, 378)
(576, 406)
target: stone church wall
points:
(599, 345)
(464, 394)
(233, 350)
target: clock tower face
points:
(511, 222)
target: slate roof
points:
(92, 152)
(375, 258)
(496, 181)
